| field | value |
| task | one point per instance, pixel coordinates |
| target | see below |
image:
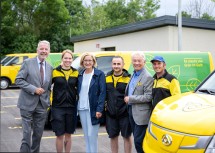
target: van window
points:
(104, 63)
(76, 63)
(209, 84)
(3, 57)
(18, 60)
(6, 60)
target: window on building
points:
(109, 49)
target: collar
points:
(59, 67)
(95, 71)
(137, 73)
(38, 61)
(163, 76)
(125, 73)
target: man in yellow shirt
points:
(117, 119)
(165, 84)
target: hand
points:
(39, 91)
(98, 115)
(126, 99)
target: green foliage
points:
(185, 14)
(150, 7)
(25, 22)
(24, 44)
(207, 17)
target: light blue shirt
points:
(83, 103)
(133, 82)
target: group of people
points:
(129, 99)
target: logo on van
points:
(195, 106)
(166, 139)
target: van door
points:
(14, 66)
(9, 70)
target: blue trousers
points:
(90, 131)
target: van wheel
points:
(4, 83)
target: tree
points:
(185, 14)
(51, 21)
(17, 25)
(77, 18)
(207, 17)
(116, 12)
(150, 6)
(25, 22)
(130, 12)
(97, 17)
(196, 8)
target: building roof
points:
(144, 25)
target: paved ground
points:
(11, 130)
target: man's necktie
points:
(41, 72)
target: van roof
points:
(20, 54)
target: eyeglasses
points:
(88, 61)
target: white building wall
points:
(193, 40)
(163, 39)
(155, 39)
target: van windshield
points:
(2, 57)
(7, 60)
(208, 86)
(76, 63)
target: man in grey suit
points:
(139, 99)
(34, 79)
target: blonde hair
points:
(66, 51)
(88, 54)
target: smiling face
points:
(117, 65)
(138, 62)
(88, 62)
(159, 67)
(43, 50)
(67, 60)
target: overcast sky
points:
(169, 7)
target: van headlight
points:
(211, 146)
(150, 130)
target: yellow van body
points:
(179, 124)
(184, 123)
(11, 64)
(190, 67)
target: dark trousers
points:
(138, 132)
(32, 120)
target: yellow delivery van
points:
(10, 66)
(184, 123)
(11, 63)
(190, 67)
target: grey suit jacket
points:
(28, 79)
(141, 99)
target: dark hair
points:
(117, 56)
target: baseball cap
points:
(158, 58)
